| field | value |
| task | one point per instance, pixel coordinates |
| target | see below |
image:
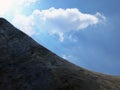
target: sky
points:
(84, 32)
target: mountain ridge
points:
(27, 65)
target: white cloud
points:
(58, 21)
(66, 20)
(8, 6)
(101, 17)
(24, 24)
(65, 57)
(27, 2)
(71, 38)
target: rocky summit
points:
(26, 65)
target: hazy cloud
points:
(27, 2)
(8, 6)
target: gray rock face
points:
(26, 65)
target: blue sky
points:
(85, 32)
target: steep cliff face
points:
(26, 65)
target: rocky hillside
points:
(26, 65)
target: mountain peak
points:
(6, 27)
(26, 65)
(3, 21)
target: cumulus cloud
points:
(59, 21)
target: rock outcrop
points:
(26, 65)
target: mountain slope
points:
(26, 65)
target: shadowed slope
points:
(26, 65)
